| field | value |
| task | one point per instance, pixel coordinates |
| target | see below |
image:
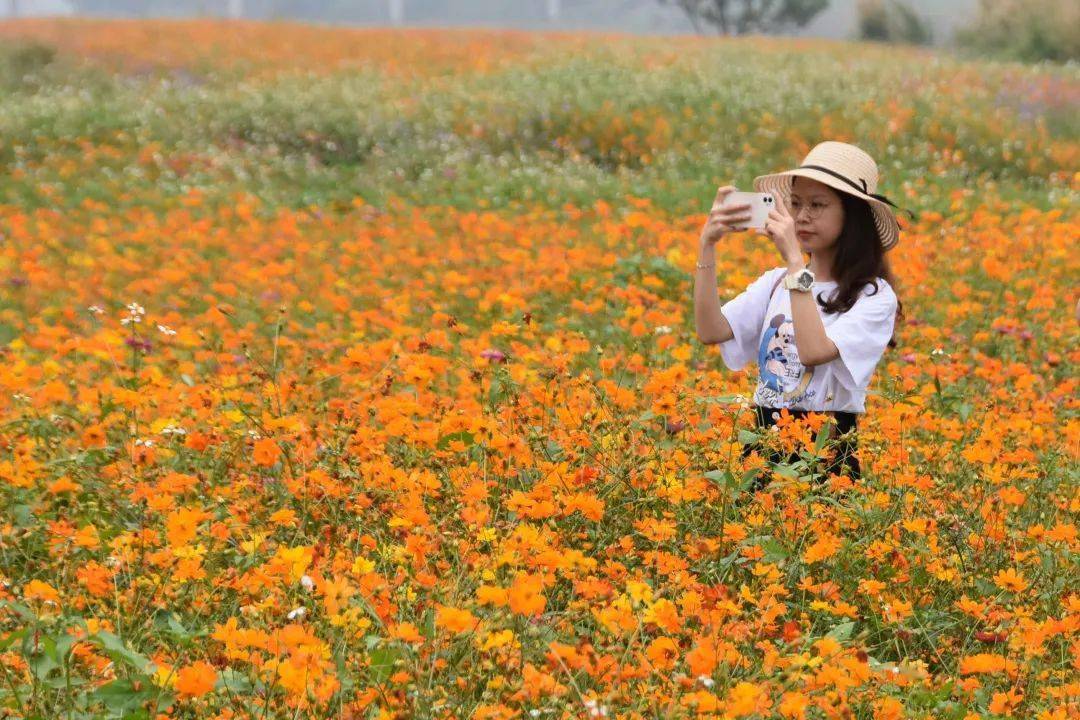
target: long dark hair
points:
(859, 260)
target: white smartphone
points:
(760, 205)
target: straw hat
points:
(845, 168)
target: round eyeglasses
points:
(813, 209)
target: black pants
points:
(842, 455)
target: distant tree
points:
(739, 17)
(1025, 30)
(891, 21)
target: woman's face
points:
(810, 197)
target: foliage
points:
(892, 21)
(1024, 30)
(739, 17)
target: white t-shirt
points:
(767, 335)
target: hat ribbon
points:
(864, 190)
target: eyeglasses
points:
(813, 210)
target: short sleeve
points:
(862, 334)
(745, 314)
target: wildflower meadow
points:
(351, 373)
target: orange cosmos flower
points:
(526, 595)
(986, 663)
(748, 699)
(406, 632)
(823, 548)
(266, 452)
(37, 590)
(455, 620)
(662, 653)
(1010, 580)
(196, 679)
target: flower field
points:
(352, 374)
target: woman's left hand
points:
(780, 227)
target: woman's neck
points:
(821, 266)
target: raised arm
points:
(712, 327)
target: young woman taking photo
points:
(817, 329)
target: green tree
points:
(1029, 31)
(739, 17)
(891, 21)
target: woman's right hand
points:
(721, 220)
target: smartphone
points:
(760, 205)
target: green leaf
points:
(746, 437)
(788, 471)
(43, 663)
(23, 611)
(720, 477)
(12, 638)
(114, 647)
(463, 435)
(774, 550)
(727, 479)
(748, 478)
(230, 679)
(23, 514)
(121, 696)
(169, 624)
(7, 333)
(718, 399)
(427, 624)
(382, 662)
(842, 632)
(498, 391)
(822, 438)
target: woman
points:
(817, 329)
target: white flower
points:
(298, 612)
(136, 309)
(144, 442)
(173, 430)
(166, 330)
(97, 310)
(595, 709)
(937, 351)
(307, 582)
(706, 680)
(663, 330)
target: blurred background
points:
(930, 22)
(1031, 30)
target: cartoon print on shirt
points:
(782, 377)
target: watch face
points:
(805, 280)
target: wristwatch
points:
(801, 280)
